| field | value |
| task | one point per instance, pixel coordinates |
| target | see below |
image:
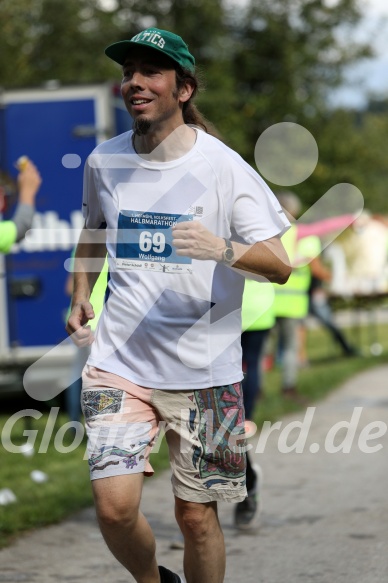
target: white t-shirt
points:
(173, 322)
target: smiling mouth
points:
(140, 101)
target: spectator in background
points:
(292, 300)
(257, 320)
(366, 255)
(319, 307)
(14, 230)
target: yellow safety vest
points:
(257, 306)
(291, 299)
(8, 234)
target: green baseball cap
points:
(166, 42)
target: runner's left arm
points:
(265, 258)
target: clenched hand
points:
(76, 327)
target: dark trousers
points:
(252, 343)
(320, 308)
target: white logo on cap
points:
(150, 37)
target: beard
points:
(141, 126)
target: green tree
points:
(273, 61)
(287, 57)
(50, 39)
(352, 149)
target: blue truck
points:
(57, 128)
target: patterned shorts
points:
(204, 430)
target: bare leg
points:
(204, 555)
(124, 528)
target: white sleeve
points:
(91, 208)
(256, 213)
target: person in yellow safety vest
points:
(257, 320)
(28, 183)
(291, 302)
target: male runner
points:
(175, 209)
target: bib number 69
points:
(155, 242)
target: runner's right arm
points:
(88, 262)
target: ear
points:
(186, 91)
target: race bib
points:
(144, 241)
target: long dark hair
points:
(191, 114)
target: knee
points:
(195, 520)
(113, 514)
